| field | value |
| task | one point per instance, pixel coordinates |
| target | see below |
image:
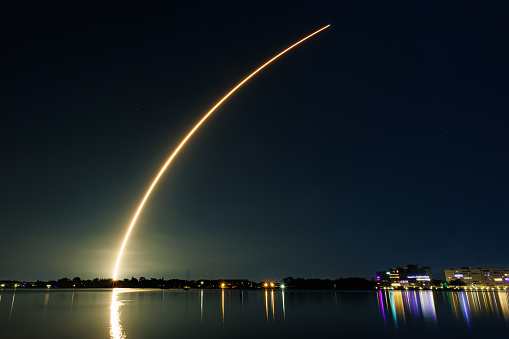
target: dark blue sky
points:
(379, 142)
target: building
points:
(411, 276)
(478, 277)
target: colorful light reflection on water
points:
(228, 313)
(420, 305)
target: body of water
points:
(144, 313)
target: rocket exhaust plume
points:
(182, 143)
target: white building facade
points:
(479, 277)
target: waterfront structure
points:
(410, 276)
(478, 277)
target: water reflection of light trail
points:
(428, 305)
(482, 299)
(12, 305)
(46, 301)
(431, 300)
(479, 306)
(380, 297)
(116, 331)
(222, 303)
(72, 298)
(464, 307)
(504, 304)
(399, 306)
(416, 304)
(455, 305)
(387, 301)
(494, 304)
(283, 300)
(393, 308)
(183, 142)
(410, 303)
(242, 300)
(272, 304)
(201, 306)
(267, 304)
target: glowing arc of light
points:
(182, 143)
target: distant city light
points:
(282, 286)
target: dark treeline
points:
(339, 284)
(289, 283)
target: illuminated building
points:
(479, 277)
(411, 276)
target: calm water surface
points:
(143, 313)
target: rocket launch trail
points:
(189, 135)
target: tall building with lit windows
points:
(410, 276)
(479, 277)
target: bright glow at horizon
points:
(182, 143)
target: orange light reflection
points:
(267, 305)
(116, 331)
(222, 304)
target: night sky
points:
(380, 142)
